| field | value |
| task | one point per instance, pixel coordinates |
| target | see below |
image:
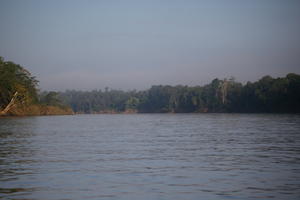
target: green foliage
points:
(269, 94)
(132, 103)
(50, 99)
(14, 78)
(100, 101)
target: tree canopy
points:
(19, 94)
(280, 95)
(16, 81)
(269, 94)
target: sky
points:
(134, 44)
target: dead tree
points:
(10, 104)
(223, 88)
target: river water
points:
(150, 156)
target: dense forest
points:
(276, 95)
(19, 94)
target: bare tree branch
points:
(11, 103)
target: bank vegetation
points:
(19, 94)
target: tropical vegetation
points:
(19, 94)
(267, 95)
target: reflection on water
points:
(154, 156)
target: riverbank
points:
(36, 110)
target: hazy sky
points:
(126, 44)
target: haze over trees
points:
(276, 95)
(19, 94)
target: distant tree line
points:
(268, 95)
(18, 88)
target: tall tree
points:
(17, 85)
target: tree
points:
(16, 86)
(132, 103)
(266, 95)
(50, 98)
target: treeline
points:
(19, 93)
(276, 95)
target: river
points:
(150, 156)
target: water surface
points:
(150, 156)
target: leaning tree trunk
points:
(11, 103)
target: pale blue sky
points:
(126, 44)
